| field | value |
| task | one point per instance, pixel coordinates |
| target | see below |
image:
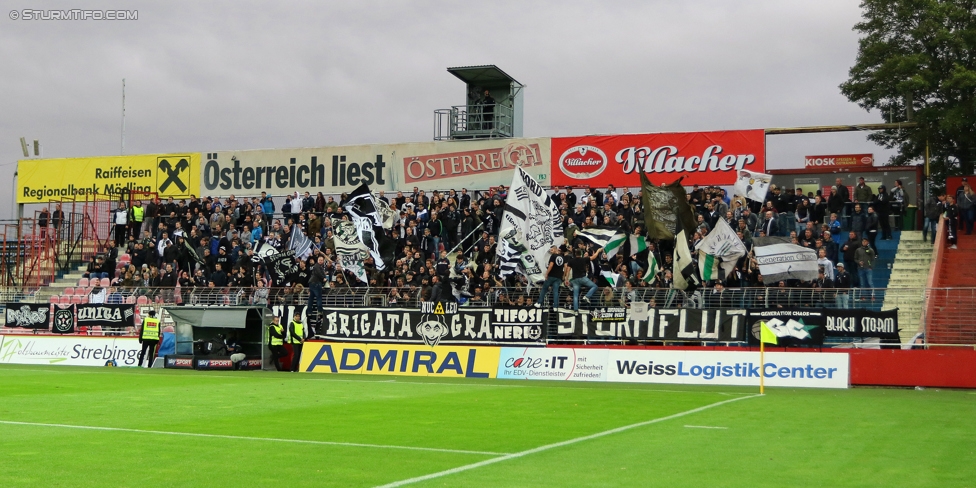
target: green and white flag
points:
(719, 251)
(609, 238)
(684, 266)
(652, 268)
(637, 243)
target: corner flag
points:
(766, 335)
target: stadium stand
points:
(197, 235)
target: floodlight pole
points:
(122, 151)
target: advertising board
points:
(808, 370)
(553, 363)
(400, 359)
(69, 350)
(169, 175)
(845, 160)
(702, 158)
(338, 169)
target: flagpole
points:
(762, 371)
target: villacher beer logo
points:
(583, 162)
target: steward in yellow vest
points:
(276, 341)
(296, 338)
(149, 337)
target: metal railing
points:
(474, 121)
(341, 295)
(949, 315)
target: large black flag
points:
(666, 209)
(369, 223)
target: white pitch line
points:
(247, 438)
(305, 377)
(705, 427)
(555, 445)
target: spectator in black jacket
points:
(219, 276)
(315, 283)
(882, 206)
(849, 249)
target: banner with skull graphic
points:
(433, 325)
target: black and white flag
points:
(530, 225)
(346, 238)
(390, 216)
(349, 249)
(282, 267)
(685, 273)
(263, 250)
(752, 185)
(366, 216)
(779, 259)
(300, 243)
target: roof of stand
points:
(484, 75)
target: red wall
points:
(943, 367)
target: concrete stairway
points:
(906, 285)
(56, 287)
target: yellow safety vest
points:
(297, 332)
(150, 329)
(276, 341)
(137, 213)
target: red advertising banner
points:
(702, 158)
(839, 160)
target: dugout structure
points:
(194, 326)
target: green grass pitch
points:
(366, 431)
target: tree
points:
(917, 61)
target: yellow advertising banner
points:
(400, 359)
(168, 175)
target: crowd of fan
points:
(208, 243)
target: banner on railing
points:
(104, 315)
(661, 324)
(65, 318)
(28, 315)
(862, 323)
(793, 327)
(433, 325)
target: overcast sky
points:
(243, 75)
